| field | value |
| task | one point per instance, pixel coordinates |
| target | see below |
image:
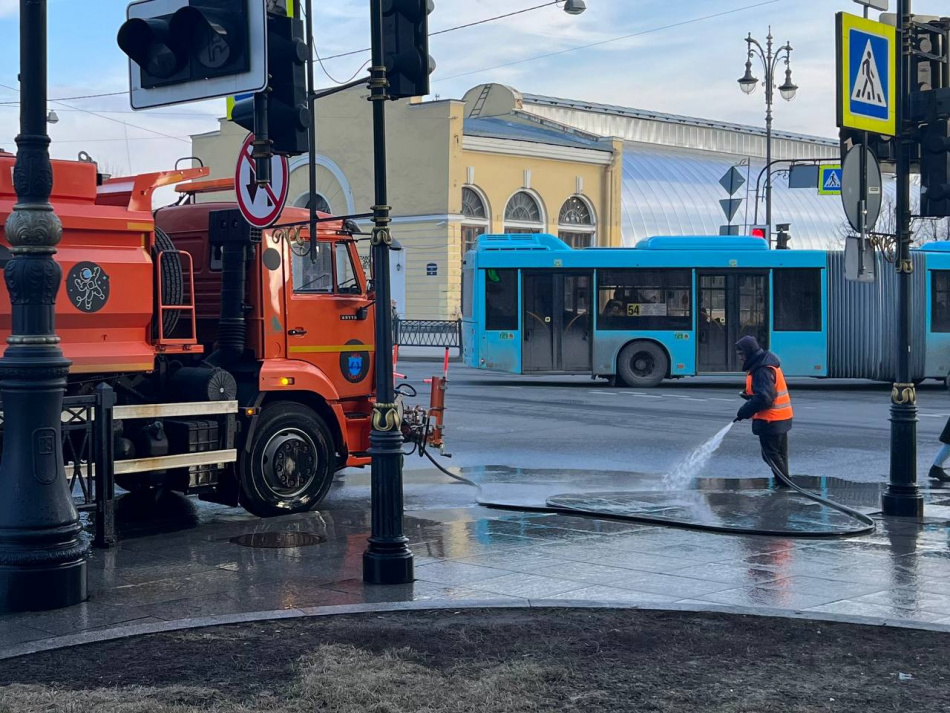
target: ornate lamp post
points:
(748, 83)
(42, 553)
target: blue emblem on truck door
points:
(354, 365)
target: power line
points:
(450, 29)
(613, 39)
(108, 118)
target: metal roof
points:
(673, 119)
(498, 128)
(674, 191)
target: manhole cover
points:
(278, 539)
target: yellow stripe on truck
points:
(331, 349)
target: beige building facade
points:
(457, 169)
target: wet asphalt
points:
(841, 427)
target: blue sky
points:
(690, 69)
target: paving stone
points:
(529, 586)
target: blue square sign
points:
(867, 74)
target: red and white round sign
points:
(260, 205)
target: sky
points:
(676, 56)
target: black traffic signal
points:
(288, 114)
(935, 169)
(406, 47)
(929, 57)
(203, 40)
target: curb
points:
(103, 635)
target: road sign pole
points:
(863, 205)
(387, 559)
(902, 497)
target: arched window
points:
(523, 214)
(323, 205)
(575, 223)
(475, 220)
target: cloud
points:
(9, 7)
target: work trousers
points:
(775, 452)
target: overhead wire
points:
(599, 43)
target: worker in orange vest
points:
(767, 404)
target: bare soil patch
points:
(503, 661)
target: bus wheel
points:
(289, 466)
(642, 364)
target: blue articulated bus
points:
(675, 306)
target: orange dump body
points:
(105, 305)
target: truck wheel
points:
(289, 466)
(642, 364)
(172, 280)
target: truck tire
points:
(289, 465)
(173, 291)
(642, 364)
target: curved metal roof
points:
(672, 191)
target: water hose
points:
(850, 512)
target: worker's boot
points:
(938, 473)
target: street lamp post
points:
(387, 559)
(42, 553)
(748, 83)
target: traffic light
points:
(935, 170)
(406, 47)
(203, 40)
(929, 57)
(288, 114)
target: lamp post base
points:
(388, 567)
(43, 587)
(906, 503)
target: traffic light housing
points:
(204, 40)
(288, 113)
(935, 170)
(406, 47)
(929, 57)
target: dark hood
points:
(763, 357)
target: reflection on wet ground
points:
(466, 552)
(728, 504)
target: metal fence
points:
(428, 333)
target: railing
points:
(428, 333)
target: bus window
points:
(797, 300)
(940, 301)
(644, 299)
(501, 299)
(467, 290)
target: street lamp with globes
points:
(748, 82)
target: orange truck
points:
(243, 361)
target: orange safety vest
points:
(781, 408)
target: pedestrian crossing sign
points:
(867, 75)
(829, 180)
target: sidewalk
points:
(467, 553)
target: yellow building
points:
(457, 169)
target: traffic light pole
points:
(902, 497)
(387, 559)
(42, 553)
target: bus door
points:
(731, 306)
(557, 321)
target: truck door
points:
(329, 316)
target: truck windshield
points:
(314, 274)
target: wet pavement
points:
(185, 559)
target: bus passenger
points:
(613, 308)
(767, 404)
